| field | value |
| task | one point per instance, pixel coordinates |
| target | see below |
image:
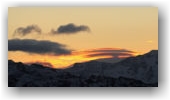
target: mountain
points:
(110, 60)
(142, 67)
(140, 71)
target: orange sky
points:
(131, 28)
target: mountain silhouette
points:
(139, 71)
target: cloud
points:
(27, 30)
(39, 47)
(114, 52)
(109, 54)
(111, 50)
(70, 29)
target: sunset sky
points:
(61, 36)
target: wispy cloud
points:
(22, 31)
(107, 52)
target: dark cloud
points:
(70, 29)
(27, 30)
(39, 47)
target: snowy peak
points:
(142, 67)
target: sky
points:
(61, 36)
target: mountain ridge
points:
(142, 67)
(141, 70)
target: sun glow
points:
(64, 61)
